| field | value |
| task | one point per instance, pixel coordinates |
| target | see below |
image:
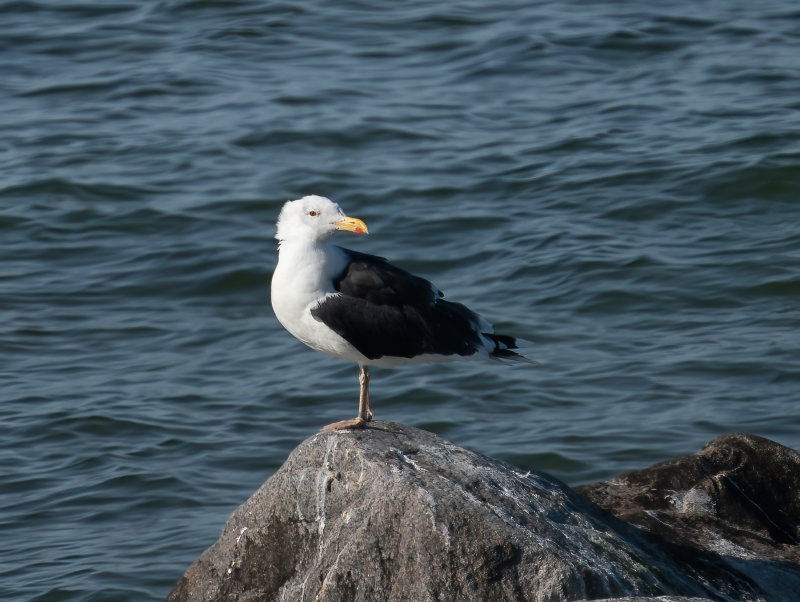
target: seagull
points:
(363, 309)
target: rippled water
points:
(614, 182)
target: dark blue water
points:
(617, 183)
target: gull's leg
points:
(364, 414)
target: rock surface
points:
(394, 513)
(738, 497)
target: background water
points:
(617, 183)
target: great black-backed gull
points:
(361, 308)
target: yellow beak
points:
(352, 224)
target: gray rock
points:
(394, 513)
(656, 599)
(737, 498)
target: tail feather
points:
(503, 348)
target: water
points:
(617, 183)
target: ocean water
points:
(617, 183)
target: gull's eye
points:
(313, 213)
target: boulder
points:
(737, 498)
(394, 513)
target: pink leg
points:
(364, 413)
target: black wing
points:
(376, 280)
(385, 311)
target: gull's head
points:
(314, 218)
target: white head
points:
(314, 218)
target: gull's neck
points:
(314, 263)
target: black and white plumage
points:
(360, 307)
